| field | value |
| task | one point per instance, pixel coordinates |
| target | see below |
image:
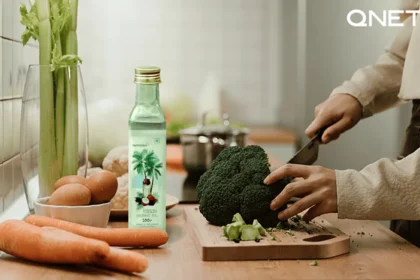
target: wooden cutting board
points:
(315, 240)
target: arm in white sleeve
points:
(376, 87)
(384, 190)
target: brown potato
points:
(103, 186)
(71, 179)
(71, 195)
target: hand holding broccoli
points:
(316, 191)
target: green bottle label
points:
(147, 179)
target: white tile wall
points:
(30, 56)
(16, 116)
(1, 66)
(17, 178)
(7, 189)
(18, 28)
(235, 40)
(1, 184)
(7, 129)
(1, 134)
(7, 18)
(7, 74)
(14, 61)
(18, 70)
(1, 20)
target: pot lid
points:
(213, 129)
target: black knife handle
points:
(320, 132)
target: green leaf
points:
(23, 10)
(65, 61)
(31, 21)
(60, 13)
(26, 36)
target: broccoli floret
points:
(240, 180)
(218, 204)
(255, 201)
(257, 178)
(238, 218)
(224, 156)
(233, 230)
(258, 226)
(270, 218)
(249, 232)
(235, 183)
(203, 181)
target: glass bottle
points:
(147, 153)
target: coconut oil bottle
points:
(147, 154)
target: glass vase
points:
(54, 129)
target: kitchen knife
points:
(308, 154)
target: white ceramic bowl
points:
(96, 215)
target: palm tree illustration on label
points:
(148, 165)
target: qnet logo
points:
(388, 18)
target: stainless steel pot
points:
(202, 144)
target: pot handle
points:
(202, 122)
(233, 143)
(226, 123)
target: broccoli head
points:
(217, 200)
(234, 183)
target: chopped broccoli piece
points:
(288, 231)
(233, 230)
(314, 263)
(224, 228)
(239, 230)
(260, 228)
(273, 237)
(249, 232)
(238, 218)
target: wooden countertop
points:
(272, 135)
(383, 255)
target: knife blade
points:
(309, 153)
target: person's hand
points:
(340, 112)
(317, 190)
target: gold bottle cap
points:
(147, 75)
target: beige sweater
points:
(386, 189)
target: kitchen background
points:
(266, 63)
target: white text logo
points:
(389, 18)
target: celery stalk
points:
(60, 115)
(70, 163)
(47, 170)
(57, 22)
(53, 23)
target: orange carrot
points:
(122, 237)
(124, 260)
(49, 245)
